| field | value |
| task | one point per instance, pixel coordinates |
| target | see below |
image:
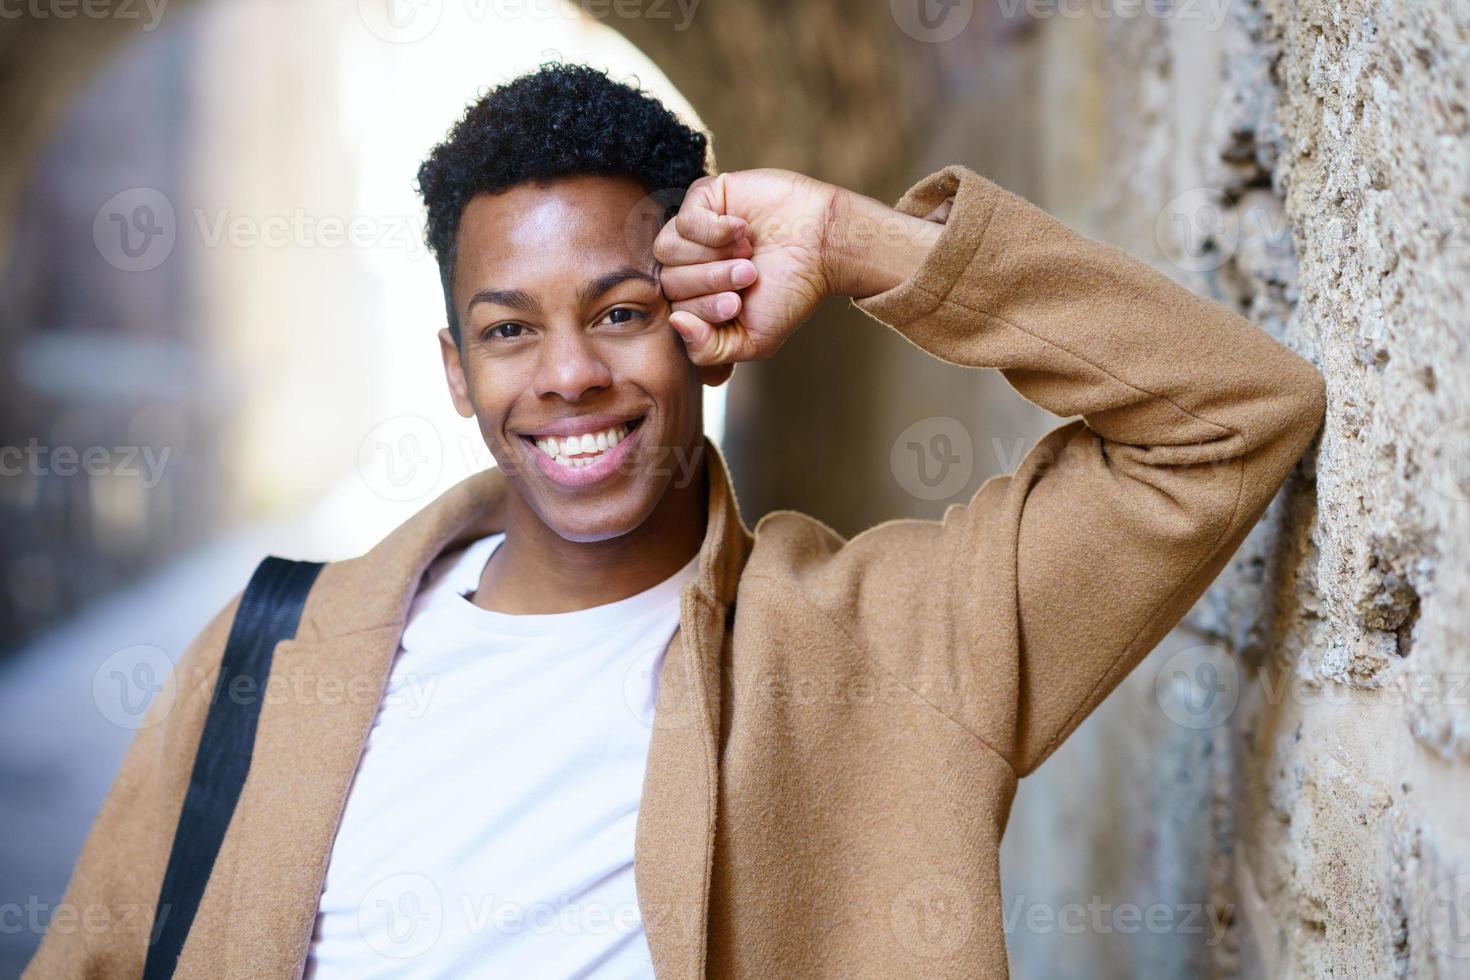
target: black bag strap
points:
(269, 612)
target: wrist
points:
(871, 247)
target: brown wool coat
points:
(841, 724)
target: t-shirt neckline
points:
(463, 579)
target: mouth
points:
(580, 452)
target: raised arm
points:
(1029, 604)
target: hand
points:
(751, 254)
(762, 232)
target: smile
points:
(581, 452)
(580, 449)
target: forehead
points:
(574, 224)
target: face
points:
(581, 388)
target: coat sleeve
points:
(1017, 613)
(103, 923)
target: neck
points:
(537, 571)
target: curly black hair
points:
(559, 121)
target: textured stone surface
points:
(1312, 166)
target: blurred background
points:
(217, 340)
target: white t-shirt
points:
(489, 830)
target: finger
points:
(706, 278)
(700, 224)
(671, 248)
(705, 343)
(702, 216)
(715, 307)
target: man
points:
(809, 745)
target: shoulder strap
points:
(268, 613)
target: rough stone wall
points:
(1306, 734)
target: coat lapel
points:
(325, 689)
(674, 849)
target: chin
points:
(595, 522)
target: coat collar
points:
(378, 588)
(307, 751)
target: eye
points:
(619, 315)
(505, 331)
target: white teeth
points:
(580, 450)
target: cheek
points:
(493, 390)
(658, 364)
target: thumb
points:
(700, 337)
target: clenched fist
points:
(752, 253)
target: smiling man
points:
(656, 742)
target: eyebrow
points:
(516, 299)
(603, 283)
(519, 299)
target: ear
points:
(459, 389)
(715, 375)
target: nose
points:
(568, 365)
